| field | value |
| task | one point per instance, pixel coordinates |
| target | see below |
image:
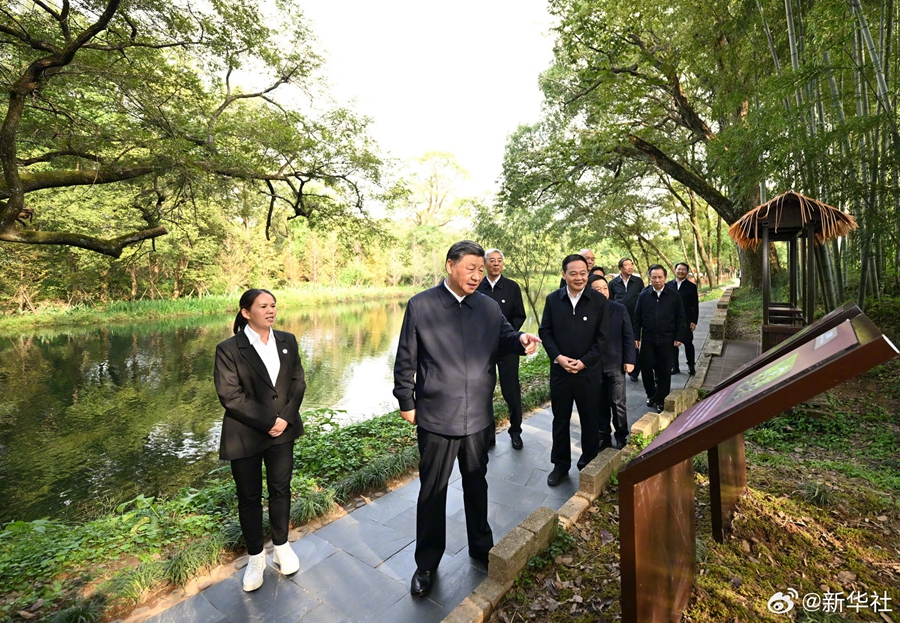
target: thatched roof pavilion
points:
(786, 216)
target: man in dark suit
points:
(572, 330)
(508, 295)
(691, 301)
(444, 381)
(624, 288)
(658, 325)
(618, 358)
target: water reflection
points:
(97, 416)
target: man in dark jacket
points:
(691, 301)
(572, 330)
(658, 324)
(618, 358)
(508, 295)
(624, 288)
(444, 381)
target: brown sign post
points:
(656, 493)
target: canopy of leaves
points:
(164, 103)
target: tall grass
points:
(58, 315)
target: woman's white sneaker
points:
(253, 574)
(286, 559)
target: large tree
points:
(166, 102)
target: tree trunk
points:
(751, 269)
(825, 266)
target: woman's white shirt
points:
(267, 352)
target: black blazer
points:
(618, 348)
(508, 295)
(629, 297)
(251, 402)
(689, 298)
(659, 319)
(577, 333)
(446, 360)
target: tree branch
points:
(640, 149)
(112, 247)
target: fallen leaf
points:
(553, 606)
(36, 605)
(745, 546)
(846, 577)
(605, 537)
(26, 615)
(881, 518)
(736, 582)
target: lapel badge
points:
(285, 350)
(502, 300)
(585, 318)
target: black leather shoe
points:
(650, 403)
(556, 476)
(492, 441)
(660, 408)
(676, 371)
(691, 370)
(633, 377)
(620, 443)
(516, 440)
(421, 583)
(479, 557)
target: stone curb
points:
(512, 555)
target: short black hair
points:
(575, 257)
(593, 278)
(598, 269)
(623, 260)
(655, 266)
(463, 248)
(685, 264)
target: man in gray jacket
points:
(444, 378)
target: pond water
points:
(93, 417)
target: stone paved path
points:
(358, 568)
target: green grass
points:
(116, 312)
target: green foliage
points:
(83, 611)
(639, 440)
(816, 493)
(701, 464)
(186, 562)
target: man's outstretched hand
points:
(530, 342)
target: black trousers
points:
(656, 369)
(612, 404)
(437, 453)
(508, 373)
(584, 391)
(247, 475)
(688, 351)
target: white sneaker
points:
(286, 559)
(253, 574)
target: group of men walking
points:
(594, 334)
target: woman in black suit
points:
(260, 382)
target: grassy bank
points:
(102, 567)
(821, 516)
(59, 315)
